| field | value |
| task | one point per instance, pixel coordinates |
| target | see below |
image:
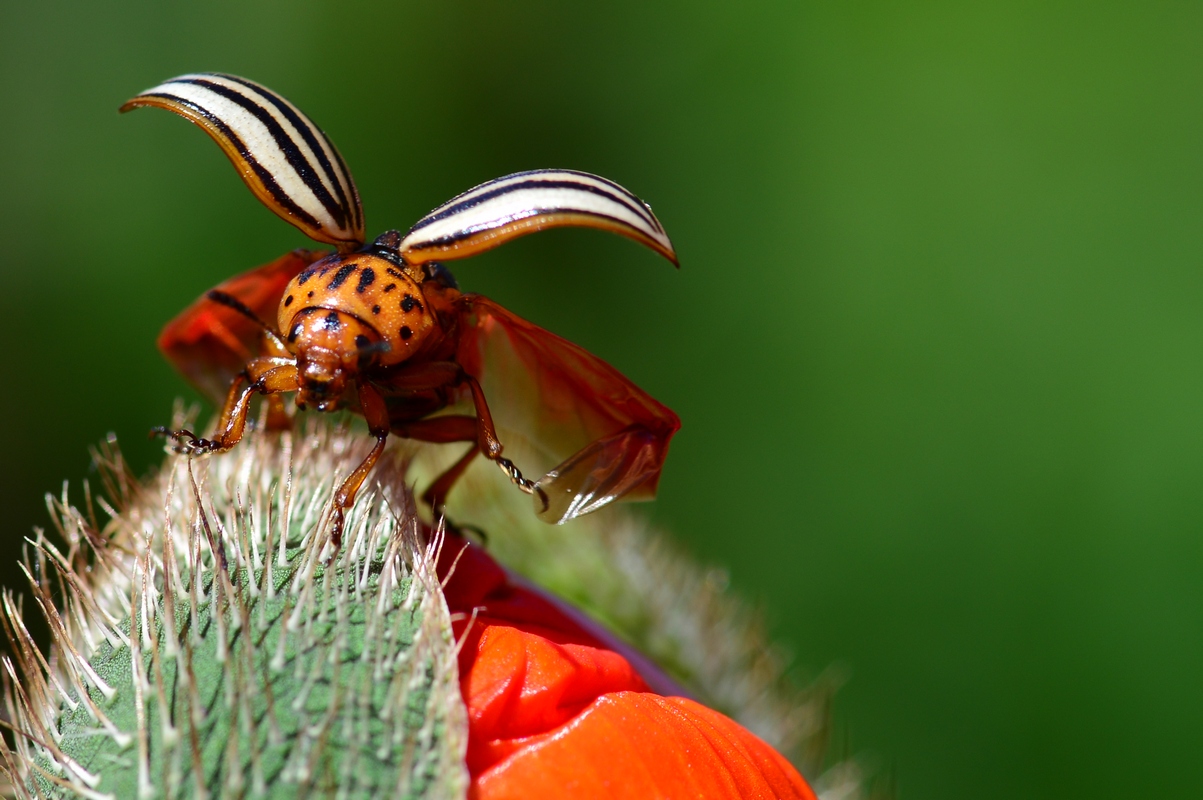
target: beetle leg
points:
(274, 347)
(277, 415)
(443, 430)
(436, 495)
(376, 413)
(439, 430)
(278, 418)
(461, 428)
(267, 376)
(427, 376)
(490, 445)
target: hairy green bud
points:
(209, 643)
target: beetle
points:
(381, 328)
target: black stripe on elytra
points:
(619, 196)
(356, 206)
(310, 131)
(366, 278)
(341, 276)
(459, 237)
(296, 159)
(232, 302)
(277, 192)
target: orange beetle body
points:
(378, 294)
(382, 329)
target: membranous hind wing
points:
(211, 342)
(561, 398)
(566, 401)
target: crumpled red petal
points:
(555, 710)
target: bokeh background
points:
(937, 340)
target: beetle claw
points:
(185, 441)
(336, 532)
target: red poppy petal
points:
(524, 681)
(638, 745)
(556, 710)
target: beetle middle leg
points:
(478, 429)
(490, 445)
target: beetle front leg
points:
(268, 376)
(376, 413)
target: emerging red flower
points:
(557, 709)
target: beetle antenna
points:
(230, 301)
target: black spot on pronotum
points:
(394, 273)
(304, 276)
(288, 301)
(361, 341)
(366, 278)
(332, 321)
(389, 288)
(310, 293)
(406, 333)
(408, 303)
(341, 276)
(375, 309)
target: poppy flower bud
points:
(206, 640)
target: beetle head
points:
(331, 348)
(322, 380)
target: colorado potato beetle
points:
(382, 328)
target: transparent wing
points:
(286, 160)
(604, 436)
(210, 343)
(502, 209)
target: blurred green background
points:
(936, 342)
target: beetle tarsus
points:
(185, 441)
(515, 475)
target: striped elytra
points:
(383, 329)
(282, 156)
(501, 209)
